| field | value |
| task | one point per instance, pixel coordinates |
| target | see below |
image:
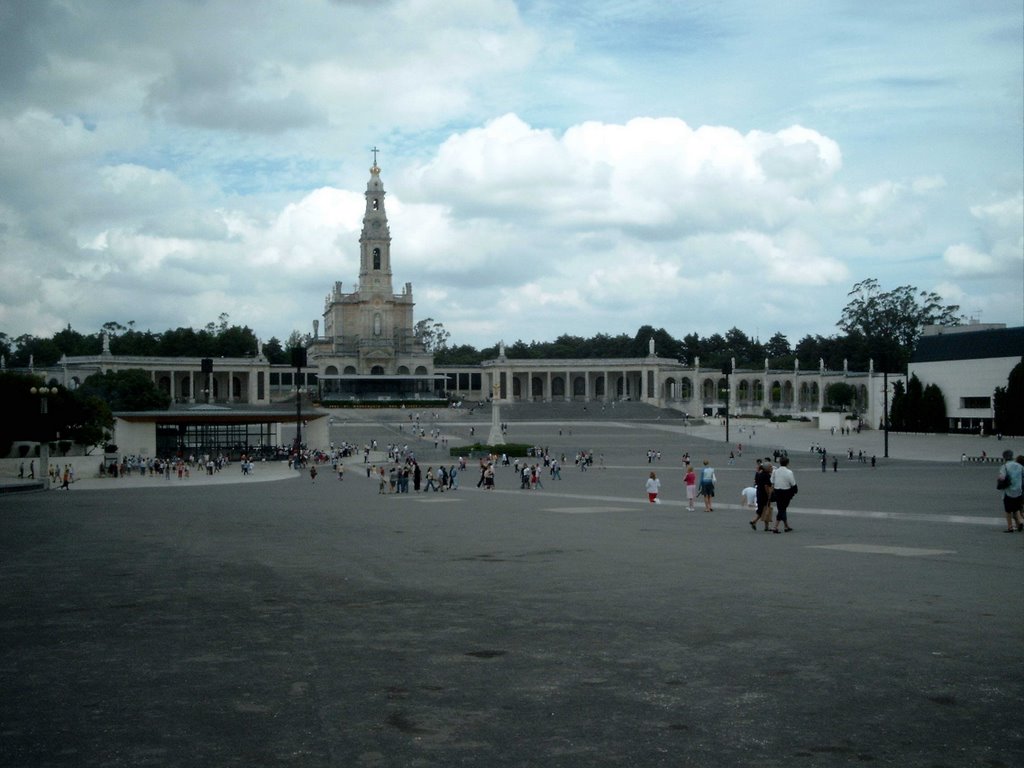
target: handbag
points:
(794, 489)
(1002, 483)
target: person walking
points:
(708, 481)
(690, 480)
(783, 490)
(653, 486)
(763, 494)
(1009, 481)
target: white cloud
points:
(1001, 228)
(591, 167)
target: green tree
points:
(70, 415)
(274, 352)
(431, 334)
(778, 351)
(71, 342)
(913, 421)
(933, 410)
(462, 354)
(1008, 402)
(840, 394)
(129, 390)
(897, 407)
(891, 321)
(296, 340)
(35, 350)
(236, 341)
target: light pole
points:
(299, 361)
(44, 444)
(727, 370)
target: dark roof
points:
(970, 345)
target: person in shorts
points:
(707, 485)
(1012, 473)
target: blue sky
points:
(551, 167)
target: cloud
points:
(651, 174)
(1001, 247)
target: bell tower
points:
(375, 239)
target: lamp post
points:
(44, 444)
(727, 371)
(299, 361)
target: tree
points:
(129, 390)
(274, 352)
(461, 354)
(432, 335)
(840, 394)
(296, 340)
(933, 410)
(778, 351)
(71, 415)
(236, 341)
(38, 351)
(1008, 402)
(912, 407)
(891, 321)
(897, 407)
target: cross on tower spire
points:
(375, 151)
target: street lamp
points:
(44, 445)
(299, 361)
(727, 371)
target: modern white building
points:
(967, 363)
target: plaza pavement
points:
(227, 621)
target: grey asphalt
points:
(287, 622)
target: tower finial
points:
(375, 169)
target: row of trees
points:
(876, 325)
(214, 340)
(917, 408)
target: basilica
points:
(369, 348)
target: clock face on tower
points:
(376, 225)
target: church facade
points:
(369, 348)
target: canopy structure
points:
(377, 388)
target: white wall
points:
(135, 438)
(966, 378)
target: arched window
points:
(376, 203)
(376, 258)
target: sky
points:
(551, 166)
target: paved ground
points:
(222, 623)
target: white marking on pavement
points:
(916, 517)
(587, 510)
(877, 549)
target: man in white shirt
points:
(783, 491)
